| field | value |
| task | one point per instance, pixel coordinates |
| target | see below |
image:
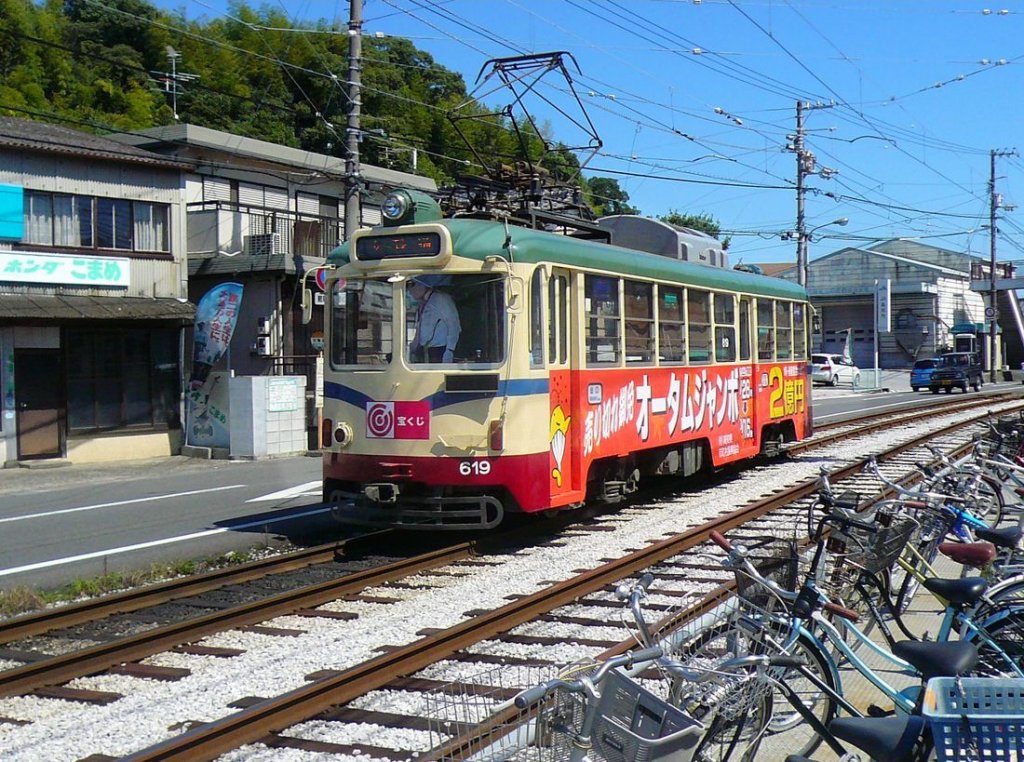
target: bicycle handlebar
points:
(842, 611)
(539, 692)
(720, 540)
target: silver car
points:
(833, 370)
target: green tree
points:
(606, 197)
(703, 222)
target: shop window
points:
(121, 379)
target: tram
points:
(580, 368)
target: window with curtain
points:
(150, 226)
(38, 218)
(89, 222)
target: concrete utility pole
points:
(353, 182)
(995, 203)
(801, 233)
(805, 165)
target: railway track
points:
(262, 718)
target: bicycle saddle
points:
(974, 554)
(931, 659)
(889, 738)
(959, 592)
(1007, 537)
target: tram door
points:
(564, 430)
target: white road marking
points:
(302, 490)
(155, 543)
(119, 502)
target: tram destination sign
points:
(398, 245)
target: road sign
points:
(321, 278)
(990, 313)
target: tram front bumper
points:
(384, 505)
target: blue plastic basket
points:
(976, 718)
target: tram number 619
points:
(474, 467)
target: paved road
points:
(65, 523)
(58, 524)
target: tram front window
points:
(361, 322)
(455, 319)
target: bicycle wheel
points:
(990, 501)
(786, 732)
(1006, 629)
(737, 736)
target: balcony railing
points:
(228, 227)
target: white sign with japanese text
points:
(32, 267)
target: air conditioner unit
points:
(262, 244)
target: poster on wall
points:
(216, 317)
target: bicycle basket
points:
(774, 559)
(976, 718)
(634, 724)
(476, 719)
(876, 550)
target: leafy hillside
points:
(103, 66)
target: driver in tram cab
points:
(437, 323)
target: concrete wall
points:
(268, 416)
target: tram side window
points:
(537, 319)
(361, 322)
(558, 319)
(745, 329)
(799, 332)
(639, 298)
(784, 330)
(602, 308)
(698, 318)
(765, 329)
(671, 325)
(725, 328)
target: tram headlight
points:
(343, 434)
(396, 205)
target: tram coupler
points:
(384, 493)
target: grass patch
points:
(24, 599)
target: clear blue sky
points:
(694, 100)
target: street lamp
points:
(803, 237)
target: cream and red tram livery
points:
(580, 368)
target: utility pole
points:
(995, 203)
(801, 233)
(353, 182)
(805, 165)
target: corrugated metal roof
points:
(245, 263)
(52, 138)
(52, 308)
(178, 135)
